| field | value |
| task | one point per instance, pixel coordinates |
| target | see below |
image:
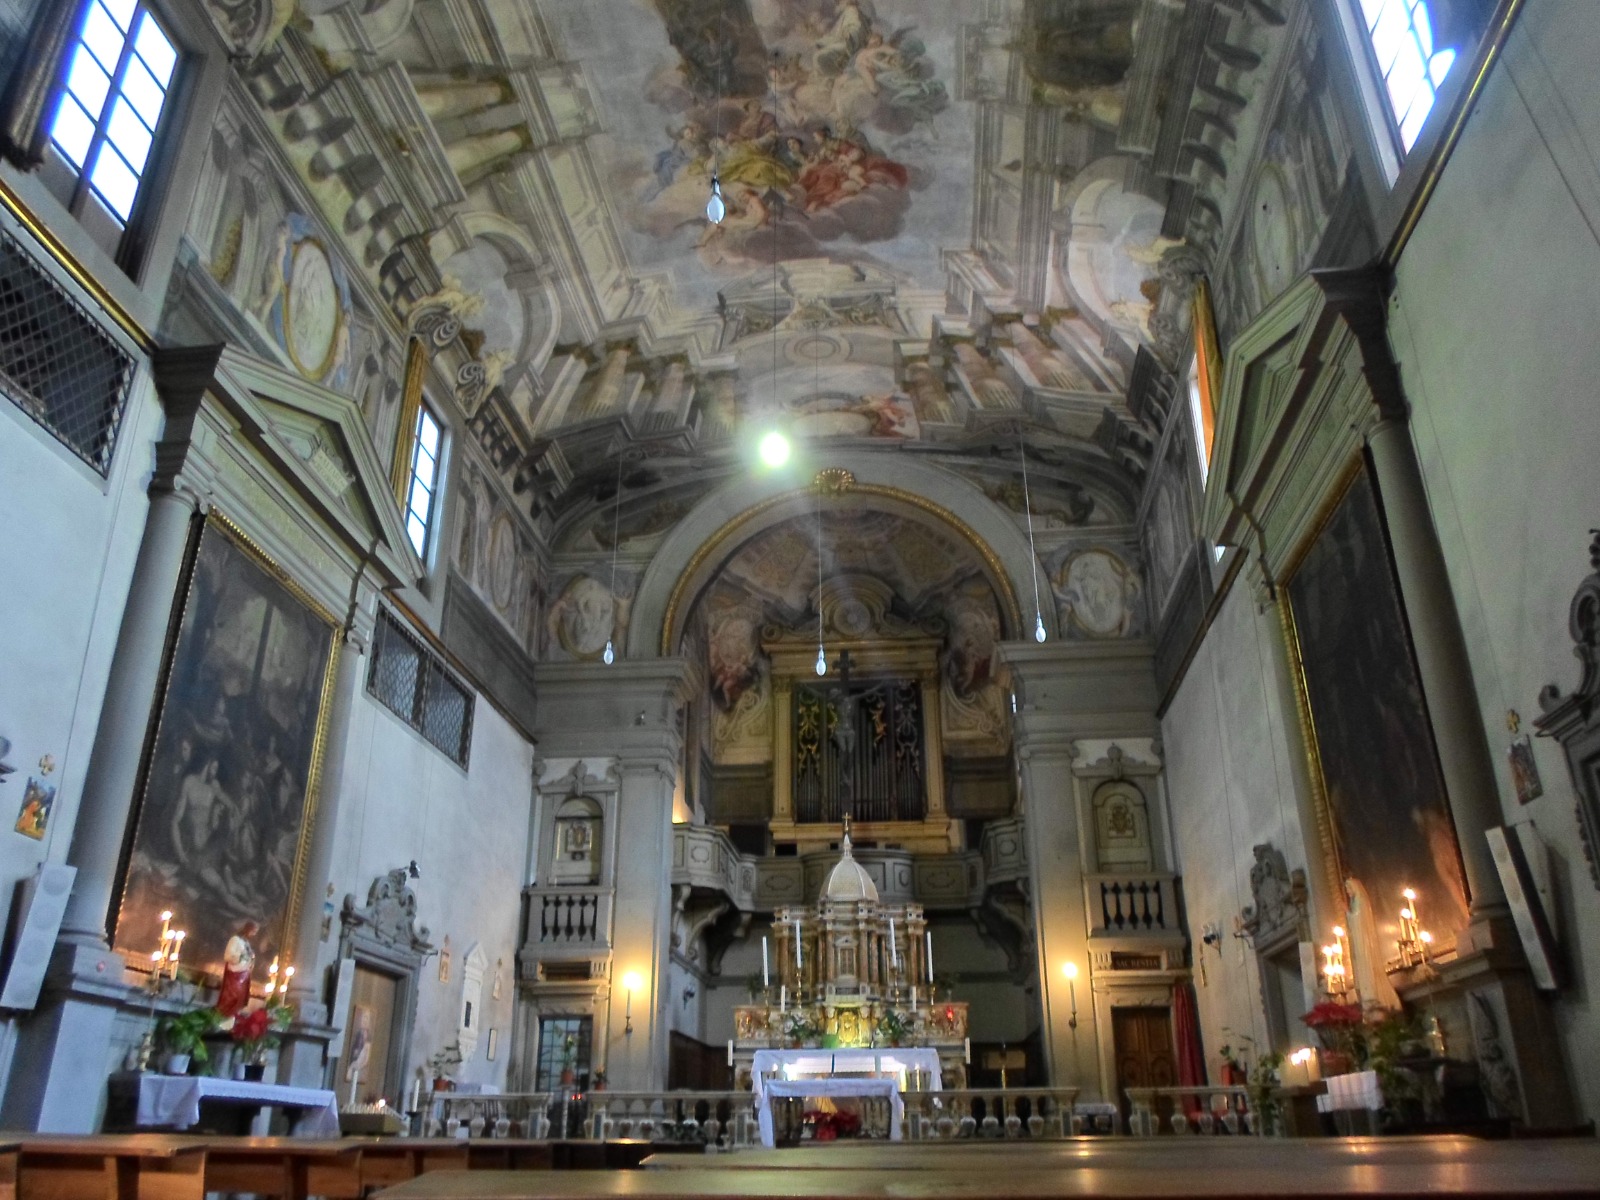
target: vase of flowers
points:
(894, 1026)
(255, 1032)
(1341, 1030)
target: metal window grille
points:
(412, 681)
(56, 362)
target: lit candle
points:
(894, 955)
(928, 939)
(177, 949)
(766, 978)
(1411, 904)
(166, 925)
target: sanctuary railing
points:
(1204, 1110)
(953, 1114)
(707, 1118)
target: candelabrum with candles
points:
(1337, 984)
(160, 981)
(1414, 944)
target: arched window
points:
(1410, 66)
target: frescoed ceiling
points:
(954, 228)
(832, 126)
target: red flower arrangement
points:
(831, 1126)
(1332, 1015)
(256, 1031)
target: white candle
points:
(416, 1094)
(913, 995)
(355, 1082)
(797, 963)
(966, 1050)
(928, 937)
(894, 956)
(730, 1052)
(766, 978)
(783, 998)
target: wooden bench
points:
(99, 1167)
(291, 1168)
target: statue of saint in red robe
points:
(238, 960)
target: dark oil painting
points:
(1392, 827)
(219, 825)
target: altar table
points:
(881, 1060)
(833, 1089)
(174, 1100)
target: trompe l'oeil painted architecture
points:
(1080, 565)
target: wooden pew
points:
(290, 1168)
(97, 1167)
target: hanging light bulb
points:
(610, 656)
(715, 208)
(822, 660)
(1033, 557)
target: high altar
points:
(851, 973)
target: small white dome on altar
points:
(848, 882)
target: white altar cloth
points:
(881, 1060)
(888, 1089)
(175, 1100)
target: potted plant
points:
(257, 1031)
(569, 1061)
(443, 1065)
(799, 1027)
(184, 1035)
(1340, 1029)
(1235, 1068)
(894, 1026)
(1265, 1106)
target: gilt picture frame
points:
(231, 773)
(1385, 814)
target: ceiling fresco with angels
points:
(832, 126)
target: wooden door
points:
(1142, 1041)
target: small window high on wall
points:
(108, 118)
(1410, 66)
(426, 447)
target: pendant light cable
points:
(822, 657)
(1033, 557)
(610, 655)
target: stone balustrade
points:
(1204, 1109)
(708, 1118)
(952, 1114)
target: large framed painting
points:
(229, 786)
(1386, 813)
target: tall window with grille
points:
(412, 681)
(110, 116)
(56, 362)
(427, 444)
(1410, 67)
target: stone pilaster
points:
(1067, 691)
(628, 713)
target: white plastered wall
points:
(1493, 323)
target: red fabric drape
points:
(1186, 1032)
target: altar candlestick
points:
(766, 978)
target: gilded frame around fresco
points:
(218, 523)
(1333, 868)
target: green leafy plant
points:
(185, 1033)
(1263, 1084)
(800, 1026)
(894, 1026)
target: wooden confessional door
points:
(1142, 1041)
